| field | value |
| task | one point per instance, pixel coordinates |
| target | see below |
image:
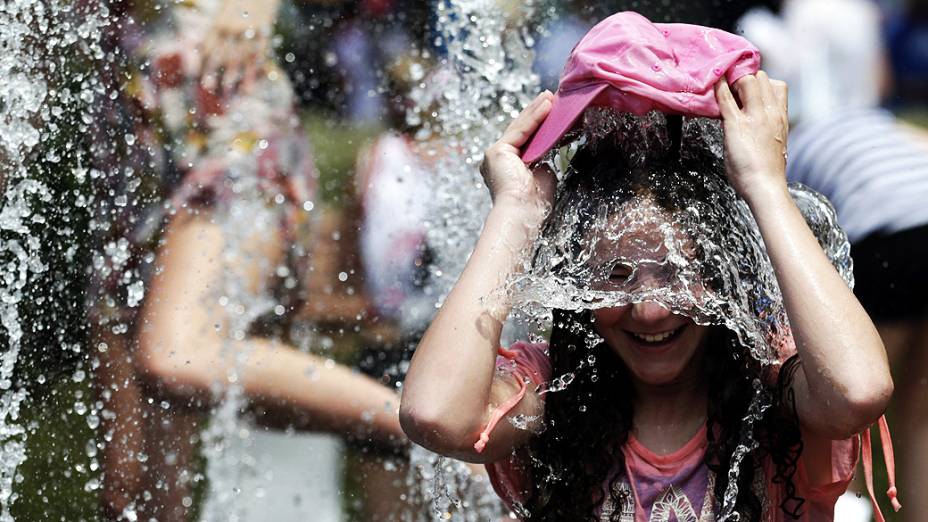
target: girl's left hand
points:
(755, 133)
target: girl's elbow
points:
(415, 426)
(866, 405)
(436, 430)
(873, 400)
(162, 359)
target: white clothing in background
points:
(872, 169)
(830, 52)
(394, 197)
(282, 477)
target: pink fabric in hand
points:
(636, 66)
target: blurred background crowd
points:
(261, 222)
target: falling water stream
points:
(44, 45)
(489, 54)
(487, 79)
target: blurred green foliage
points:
(58, 480)
(336, 145)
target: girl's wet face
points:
(658, 346)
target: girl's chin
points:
(658, 376)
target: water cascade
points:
(43, 92)
(489, 60)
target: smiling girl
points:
(652, 431)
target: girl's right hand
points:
(510, 181)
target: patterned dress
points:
(167, 142)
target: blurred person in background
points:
(874, 170)
(196, 284)
(392, 184)
(393, 191)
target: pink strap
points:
(498, 414)
(867, 450)
(505, 407)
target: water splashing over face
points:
(642, 226)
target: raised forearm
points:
(447, 392)
(845, 381)
(318, 394)
(323, 395)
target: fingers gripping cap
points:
(628, 63)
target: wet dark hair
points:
(588, 422)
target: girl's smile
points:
(656, 340)
(658, 346)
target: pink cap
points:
(637, 66)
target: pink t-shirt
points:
(677, 486)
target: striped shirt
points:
(872, 169)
